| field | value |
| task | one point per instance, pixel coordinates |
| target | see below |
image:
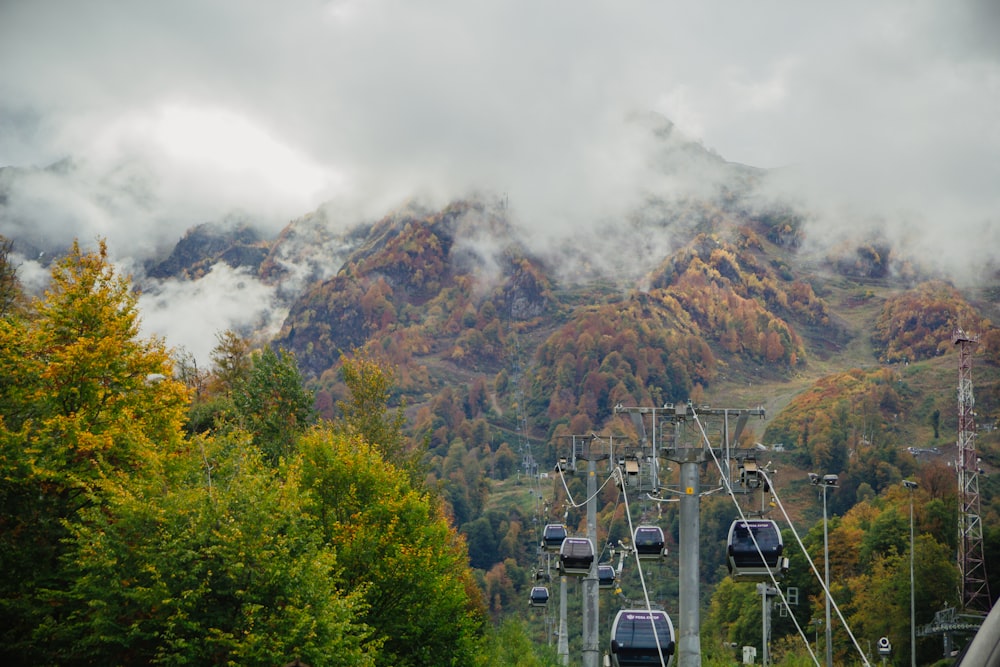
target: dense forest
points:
(153, 518)
(369, 487)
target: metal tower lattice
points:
(971, 563)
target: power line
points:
(727, 484)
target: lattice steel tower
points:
(971, 563)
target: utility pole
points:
(562, 649)
(826, 564)
(690, 459)
(767, 592)
(826, 481)
(913, 606)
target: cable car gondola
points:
(539, 596)
(605, 576)
(648, 542)
(576, 556)
(634, 643)
(553, 536)
(745, 562)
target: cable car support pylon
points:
(670, 442)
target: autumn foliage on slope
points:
(655, 347)
(739, 299)
(640, 350)
(446, 284)
(919, 323)
(837, 414)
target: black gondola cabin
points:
(605, 576)
(576, 556)
(539, 596)
(649, 542)
(553, 536)
(634, 642)
(746, 563)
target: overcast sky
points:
(178, 112)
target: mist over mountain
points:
(241, 273)
(605, 132)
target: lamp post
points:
(913, 627)
(826, 481)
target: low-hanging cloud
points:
(870, 112)
(189, 314)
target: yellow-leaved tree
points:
(86, 405)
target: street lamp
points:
(913, 627)
(826, 481)
(816, 622)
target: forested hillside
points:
(850, 353)
(134, 533)
(369, 486)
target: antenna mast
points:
(971, 563)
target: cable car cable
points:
(642, 577)
(569, 496)
(819, 578)
(727, 484)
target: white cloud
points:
(230, 144)
(189, 314)
(33, 276)
(882, 110)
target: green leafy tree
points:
(222, 568)
(230, 360)
(101, 401)
(880, 597)
(734, 614)
(87, 408)
(272, 403)
(258, 391)
(366, 413)
(482, 543)
(886, 535)
(393, 542)
(504, 461)
(212, 402)
(510, 644)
